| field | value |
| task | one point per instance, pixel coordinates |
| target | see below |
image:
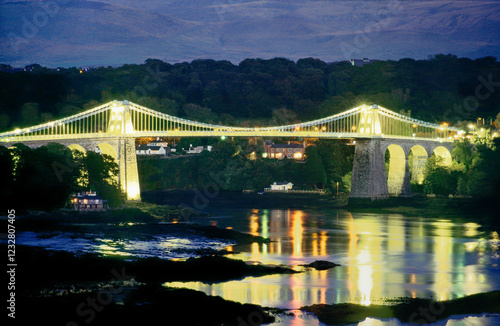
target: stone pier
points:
(369, 176)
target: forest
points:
(256, 91)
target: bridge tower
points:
(370, 121)
(121, 126)
(369, 178)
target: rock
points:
(321, 265)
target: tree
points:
(314, 171)
(463, 153)
(438, 178)
(497, 121)
(103, 177)
(43, 177)
(29, 114)
(7, 176)
(199, 113)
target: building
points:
(158, 143)
(281, 186)
(88, 201)
(280, 151)
(361, 62)
(152, 150)
(198, 149)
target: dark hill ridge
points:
(116, 32)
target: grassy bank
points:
(455, 208)
(415, 311)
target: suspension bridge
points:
(114, 126)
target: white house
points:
(281, 186)
(158, 143)
(151, 150)
(198, 149)
(195, 149)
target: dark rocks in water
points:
(321, 265)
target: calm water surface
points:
(382, 256)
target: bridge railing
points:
(126, 119)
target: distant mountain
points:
(112, 32)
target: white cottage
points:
(281, 186)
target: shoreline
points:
(455, 208)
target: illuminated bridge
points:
(114, 126)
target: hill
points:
(114, 32)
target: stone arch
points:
(105, 148)
(419, 158)
(397, 180)
(76, 147)
(444, 153)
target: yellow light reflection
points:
(365, 280)
(351, 271)
(265, 224)
(323, 238)
(365, 277)
(255, 251)
(296, 233)
(471, 229)
(254, 225)
(443, 255)
(315, 244)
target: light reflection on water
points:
(382, 257)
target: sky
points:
(81, 33)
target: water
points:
(382, 256)
(129, 240)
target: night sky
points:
(113, 32)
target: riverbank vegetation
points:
(474, 173)
(414, 311)
(230, 167)
(43, 178)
